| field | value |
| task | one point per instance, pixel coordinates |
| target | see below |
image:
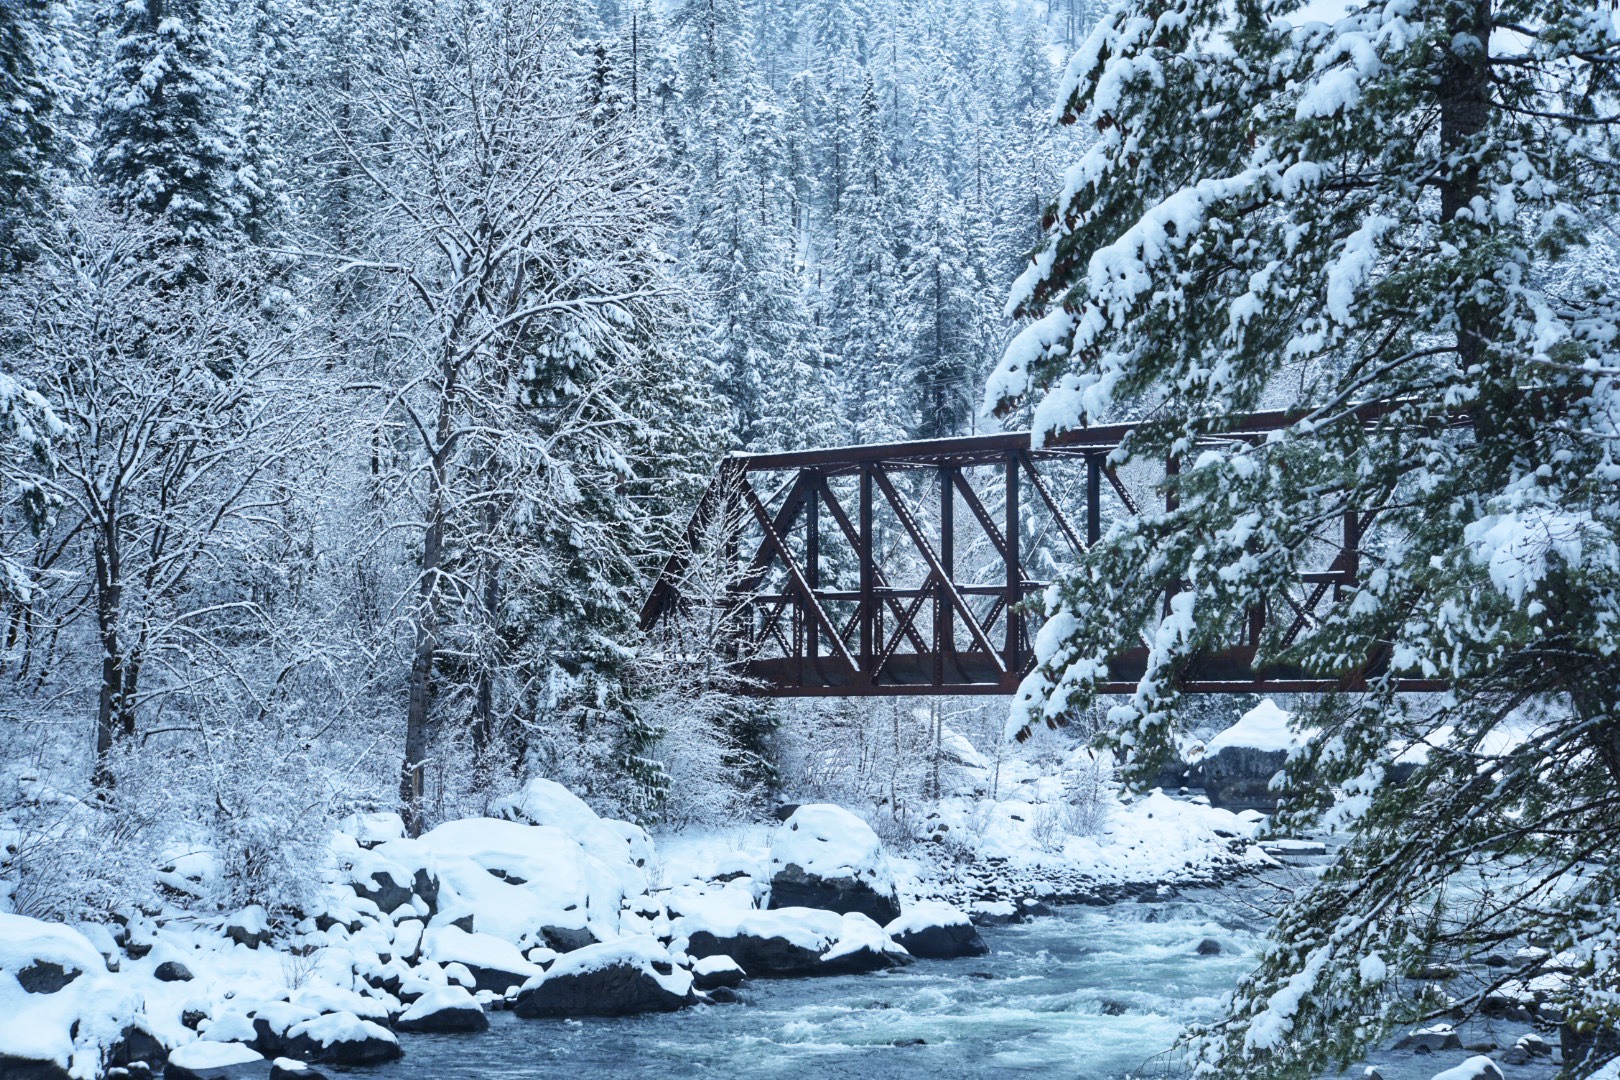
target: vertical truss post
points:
(869, 606)
(1015, 584)
(1352, 547)
(740, 636)
(812, 562)
(1172, 469)
(944, 632)
(1093, 500)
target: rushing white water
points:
(1089, 992)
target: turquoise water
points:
(1039, 1005)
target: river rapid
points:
(1090, 993)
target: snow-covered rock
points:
(444, 1009)
(1240, 762)
(546, 802)
(1432, 1039)
(206, 1060)
(1479, 1067)
(787, 942)
(825, 857)
(341, 1038)
(60, 1009)
(526, 884)
(713, 972)
(617, 978)
(494, 963)
(249, 927)
(937, 931)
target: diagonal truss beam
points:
(879, 579)
(926, 550)
(801, 584)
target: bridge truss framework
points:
(905, 568)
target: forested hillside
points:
(360, 358)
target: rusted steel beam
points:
(879, 583)
(806, 593)
(909, 523)
(1028, 461)
(990, 449)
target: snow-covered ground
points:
(478, 912)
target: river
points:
(1087, 993)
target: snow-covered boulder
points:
(1431, 1040)
(791, 941)
(494, 963)
(825, 857)
(341, 1038)
(1479, 1067)
(618, 978)
(713, 972)
(215, 1061)
(525, 884)
(60, 1009)
(1240, 762)
(444, 1009)
(937, 931)
(45, 957)
(249, 927)
(546, 802)
(371, 829)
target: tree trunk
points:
(114, 711)
(1464, 91)
(426, 620)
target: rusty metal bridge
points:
(904, 568)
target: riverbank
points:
(547, 909)
(549, 934)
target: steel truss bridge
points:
(903, 569)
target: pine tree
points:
(166, 144)
(1403, 208)
(30, 122)
(265, 47)
(866, 312)
(947, 297)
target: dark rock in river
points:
(714, 972)
(770, 955)
(825, 857)
(1238, 778)
(1430, 1041)
(615, 989)
(444, 1010)
(1209, 947)
(792, 886)
(341, 1039)
(936, 931)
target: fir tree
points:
(865, 273)
(1401, 208)
(30, 122)
(166, 145)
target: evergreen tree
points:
(865, 271)
(946, 296)
(166, 144)
(1403, 208)
(266, 50)
(30, 122)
